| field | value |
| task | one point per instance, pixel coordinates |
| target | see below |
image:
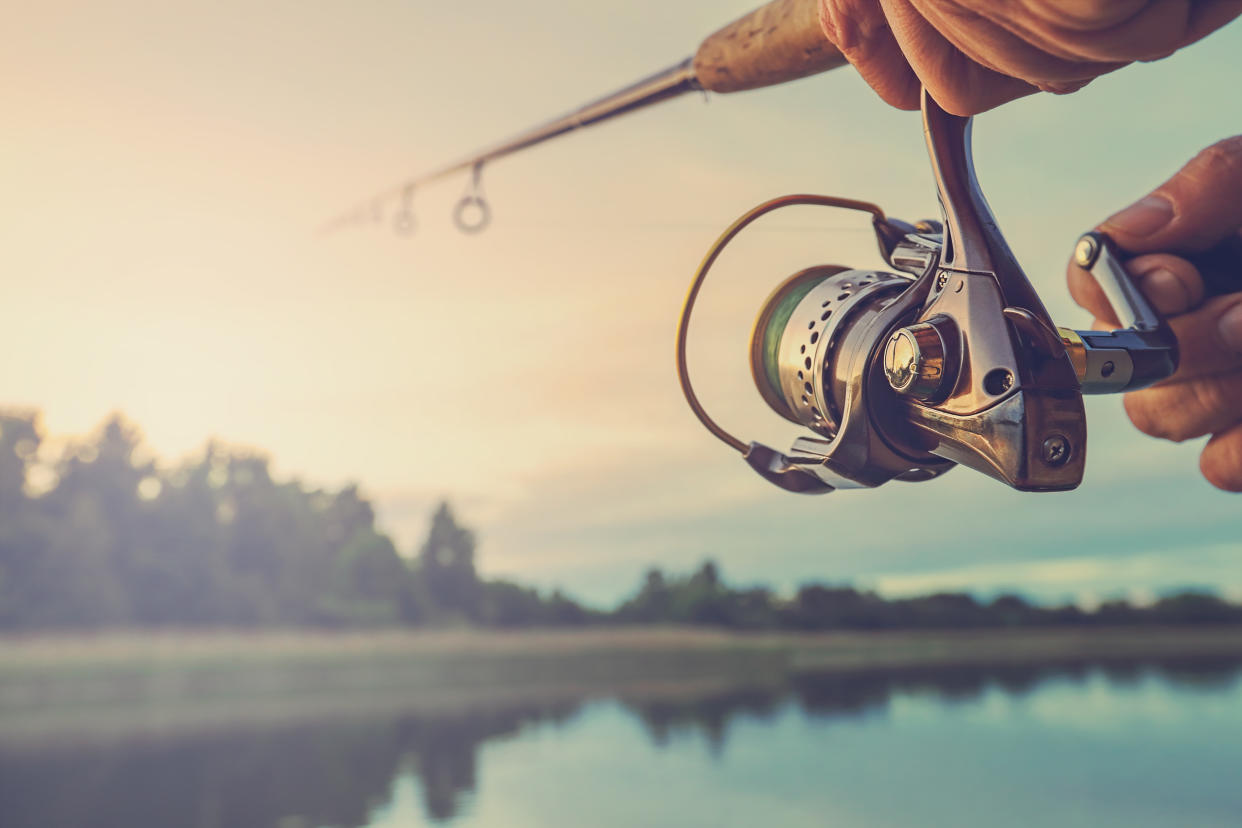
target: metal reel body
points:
(969, 390)
(1012, 408)
(954, 360)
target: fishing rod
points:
(776, 43)
(949, 358)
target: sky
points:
(164, 168)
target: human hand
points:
(1197, 210)
(973, 55)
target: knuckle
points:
(1222, 160)
(830, 21)
(846, 28)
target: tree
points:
(653, 603)
(446, 566)
(373, 583)
(23, 530)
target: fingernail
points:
(1143, 217)
(1165, 290)
(1230, 327)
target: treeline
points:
(703, 599)
(100, 535)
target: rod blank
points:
(776, 43)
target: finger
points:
(1172, 284)
(1118, 30)
(860, 31)
(1206, 18)
(1192, 211)
(995, 38)
(1221, 461)
(1186, 410)
(1209, 339)
(959, 84)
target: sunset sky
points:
(165, 166)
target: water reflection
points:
(327, 774)
(339, 773)
(828, 695)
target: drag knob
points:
(915, 361)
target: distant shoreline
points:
(425, 654)
(76, 686)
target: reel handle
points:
(1136, 356)
(1145, 351)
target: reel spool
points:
(799, 371)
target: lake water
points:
(1066, 746)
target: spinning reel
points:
(951, 359)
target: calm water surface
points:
(1133, 746)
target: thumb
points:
(1194, 210)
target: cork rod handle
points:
(779, 42)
